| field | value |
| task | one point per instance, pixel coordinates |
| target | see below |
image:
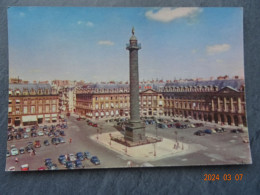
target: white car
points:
(11, 168)
(71, 157)
(14, 151)
(25, 135)
(28, 130)
(40, 133)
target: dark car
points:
(53, 167)
(22, 150)
(177, 125)
(94, 125)
(55, 141)
(208, 131)
(33, 135)
(80, 156)
(199, 133)
(95, 160)
(69, 165)
(29, 149)
(62, 159)
(56, 134)
(237, 131)
(78, 164)
(87, 155)
(46, 142)
(10, 137)
(62, 133)
(47, 161)
(18, 136)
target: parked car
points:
(10, 137)
(55, 141)
(18, 136)
(25, 135)
(22, 150)
(80, 156)
(29, 149)
(12, 168)
(237, 131)
(61, 140)
(87, 155)
(199, 133)
(25, 167)
(95, 125)
(62, 133)
(40, 133)
(41, 169)
(14, 151)
(62, 159)
(33, 135)
(71, 157)
(69, 165)
(37, 144)
(27, 130)
(208, 131)
(46, 142)
(220, 130)
(95, 160)
(78, 164)
(7, 153)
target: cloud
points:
(213, 49)
(22, 14)
(88, 23)
(109, 43)
(170, 14)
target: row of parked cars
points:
(90, 123)
(216, 130)
(35, 131)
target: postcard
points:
(103, 87)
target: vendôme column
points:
(135, 129)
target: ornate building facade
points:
(32, 104)
(216, 101)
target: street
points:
(216, 149)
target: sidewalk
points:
(148, 152)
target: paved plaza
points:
(214, 149)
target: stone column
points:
(232, 104)
(239, 105)
(219, 109)
(135, 129)
(225, 104)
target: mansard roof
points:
(232, 83)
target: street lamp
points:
(154, 149)
(110, 138)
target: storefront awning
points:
(54, 119)
(102, 113)
(17, 101)
(47, 115)
(54, 115)
(40, 116)
(97, 114)
(30, 118)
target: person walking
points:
(70, 140)
(16, 160)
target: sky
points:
(85, 43)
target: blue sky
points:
(76, 43)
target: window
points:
(17, 110)
(47, 109)
(40, 101)
(40, 109)
(106, 105)
(53, 108)
(111, 98)
(10, 101)
(47, 102)
(96, 98)
(96, 106)
(54, 101)
(25, 110)
(10, 110)
(32, 109)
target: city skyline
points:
(60, 39)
